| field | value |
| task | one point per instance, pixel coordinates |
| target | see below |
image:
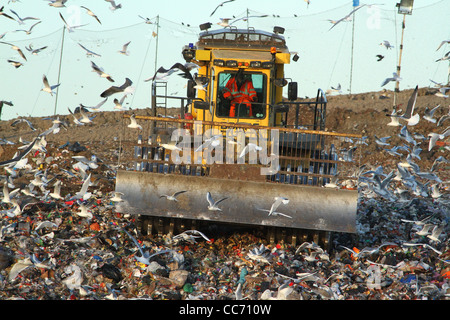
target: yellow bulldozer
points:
(264, 162)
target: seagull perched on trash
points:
(191, 235)
(212, 206)
(173, 197)
(278, 201)
(47, 87)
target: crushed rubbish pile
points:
(62, 239)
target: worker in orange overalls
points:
(239, 89)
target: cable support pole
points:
(59, 69)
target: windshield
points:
(243, 97)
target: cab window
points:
(258, 107)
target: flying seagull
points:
(14, 47)
(89, 12)
(5, 15)
(386, 44)
(379, 57)
(213, 204)
(21, 20)
(124, 50)
(278, 201)
(57, 3)
(16, 64)
(31, 28)
(89, 53)
(35, 51)
(408, 115)
(173, 197)
(395, 77)
(70, 28)
(114, 89)
(220, 5)
(347, 17)
(133, 124)
(101, 72)
(47, 87)
(113, 5)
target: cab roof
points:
(241, 38)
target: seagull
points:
(437, 230)
(29, 30)
(89, 53)
(126, 87)
(70, 28)
(214, 141)
(394, 119)
(382, 141)
(47, 87)
(97, 107)
(435, 191)
(35, 51)
(56, 194)
(89, 12)
(213, 205)
(28, 122)
(21, 20)
(92, 164)
(117, 196)
(83, 194)
(333, 182)
(433, 138)
(84, 212)
(224, 22)
(170, 146)
(14, 47)
(101, 72)
(394, 77)
(386, 44)
(443, 118)
(114, 7)
(425, 245)
(426, 229)
(190, 235)
(347, 17)
(173, 196)
(57, 3)
(133, 124)
(220, 5)
(442, 92)
(124, 50)
(430, 113)
(118, 104)
(442, 43)
(16, 64)
(185, 68)
(437, 161)
(408, 115)
(75, 119)
(445, 57)
(275, 205)
(379, 57)
(147, 20)
(250, 147)
(5, 15)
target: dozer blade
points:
(309, 207)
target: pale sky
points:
(325, 55)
